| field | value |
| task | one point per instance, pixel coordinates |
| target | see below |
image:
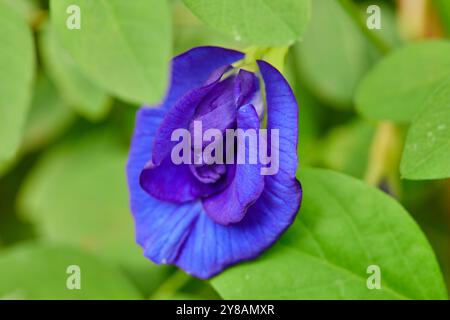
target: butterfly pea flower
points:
(204, 217)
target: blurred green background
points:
(63, 199)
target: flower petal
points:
(181, 114)
(282, 114)
(217, 110)
(231, 204)
(176, 183)
(246, 87)
(157, 223)
(211, 247)
(163, 179)
(147, 122)
(193, 68)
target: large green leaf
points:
(396, 88)
(427, 150)
(48, 116)
(77, 194)
(16, 75)
(77, 90)
(26, 8)
(343, 227)
(190, 32)
(334, 55)
(123, 46)
(258, 22)
(39, 271)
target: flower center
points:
(208, 173)
(218, 110)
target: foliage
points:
(68, 98)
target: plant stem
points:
(354, 12)
(384, 156)
(173, 284)
(38, 19)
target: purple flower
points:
(204, 218)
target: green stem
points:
(173, 284)
(354, 12)
(384, 157)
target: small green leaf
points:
(77, 90)
(396, 88)
(16, 79)
(257, 22)
(77, 194)
(334, 55)
(343, 227)
(427, 150)
(48, 116)
(123, 46)
(39, 271)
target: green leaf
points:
(257, 22)
(343, 227)
(26, 8)
(427, 151)
(346, 148)
(308, 125)
(77, 90)
(190, 32)
(389, 31)
(16, 79)
(123, 46)
(48, 117)
(77, 194)
(334, 55)
(39, 271)
(396, 88)
(443, 10)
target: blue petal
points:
(246, 87)
(217, 110)
(176, 183)
(282, 114)
(231, 204)
(163, 179)
(156, 222)
(193, 68)
(211, 247)
(179, 117)
(221, 94)
(147, 122)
